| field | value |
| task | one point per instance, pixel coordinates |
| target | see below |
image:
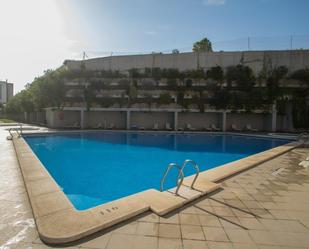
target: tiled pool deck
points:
(259, 208)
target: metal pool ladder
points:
(180, 176)
(19, 133)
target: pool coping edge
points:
(58, 222)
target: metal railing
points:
(304, 136)
(18, 131)
(196, 167)
(171, 165)
(180, 176)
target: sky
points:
(36, 35)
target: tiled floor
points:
(266, 207)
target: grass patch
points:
(6, 121)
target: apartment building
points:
(6, 91)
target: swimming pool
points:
(93, 168)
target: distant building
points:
(6, 91)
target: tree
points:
(148, 99)
(132, 93)
(203, 45)
(189, 83)
(273, 82)
(21, 102)
(172, 83)
(175, 51)
(215, 73)
(243, 76)
(221, 99)
(89, 93)
(165, 99)
(302, 75)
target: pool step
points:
(161, 203)
(202, 184)
(186, 193)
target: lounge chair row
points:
(76, 125)
(168, 127)
(155, 127)
(248, 127)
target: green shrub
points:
(301, 75)
(165, 99)
(243, 76)
(134, 73)
(172, 83)
(189, 83)
(215, 73)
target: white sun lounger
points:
(234, 128)
(189, 127)
(305, 164)
(168, 127)
(134, 127)
(74, 126)
(214, 127)
(249, 128)
(99, 126)
(208, 128)
(111, 126)
(155, 126)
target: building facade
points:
(6, 91)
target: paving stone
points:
(169, 231)
(238, 236)
(194, 244)
(215, 234)
(192, 232)
(147, 228)
(219, 245)
(189, 219)
(165, 243)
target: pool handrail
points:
(197, 169)
(180, 175)
(303, 135)
(19, 133)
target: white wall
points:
(257, 121)
(148, 119)
(61, 119)
(6, 91)
(199, 121)
(295, 59)
(94, 118)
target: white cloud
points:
(214, 2)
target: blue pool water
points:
(93, 168)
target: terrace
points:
(263, 207)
